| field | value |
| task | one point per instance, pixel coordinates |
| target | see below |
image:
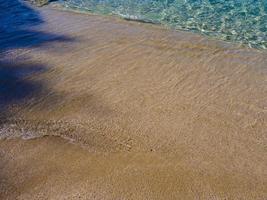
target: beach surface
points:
(95, 107)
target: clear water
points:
(241, 21)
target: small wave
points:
(242, 21)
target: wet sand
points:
(100, 108)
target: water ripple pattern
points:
(240, 21)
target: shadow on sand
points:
(17, 20)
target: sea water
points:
(240, 21)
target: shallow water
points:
(151, 113)
(240, 21)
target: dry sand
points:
(109, 109)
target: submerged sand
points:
(101, 108)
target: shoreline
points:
(151, 113)
(240, 44)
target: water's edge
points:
(245, 32)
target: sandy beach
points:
(95, 107)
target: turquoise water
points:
(240, 21)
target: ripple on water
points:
(240, 21)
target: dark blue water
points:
(240, 21)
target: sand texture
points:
(96, 107)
